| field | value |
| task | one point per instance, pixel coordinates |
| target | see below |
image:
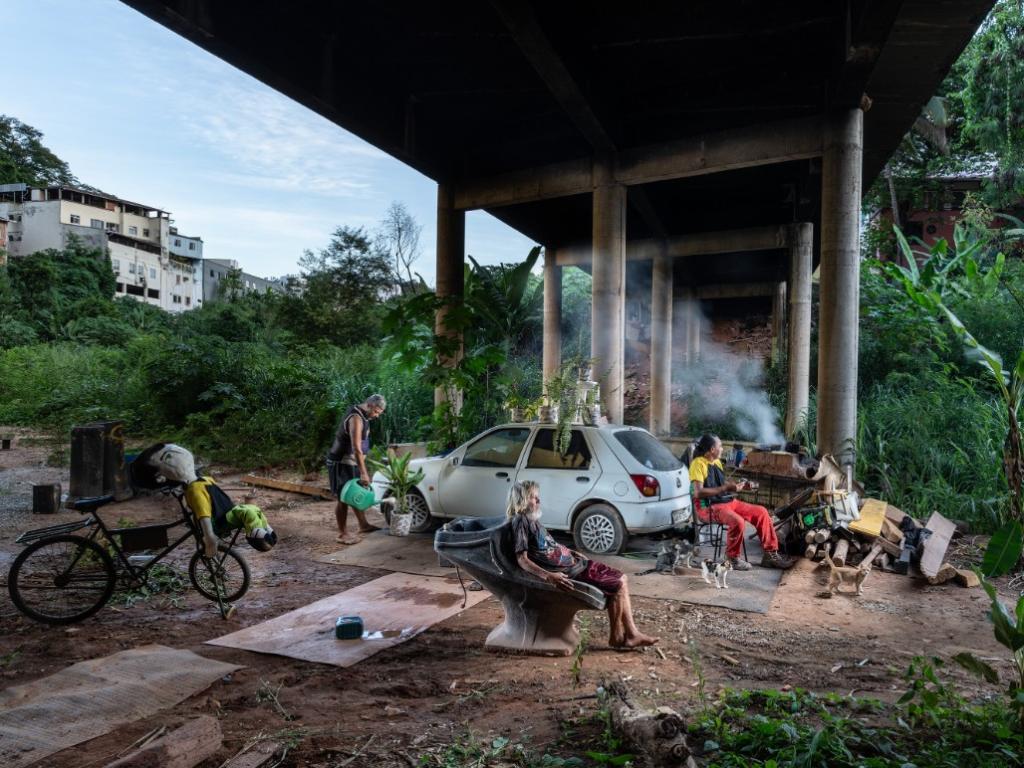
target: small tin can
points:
(348, 628)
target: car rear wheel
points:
(599, 529)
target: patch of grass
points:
(267, 693)
(471, 751)
(581, 648)
(798, 728)
(8, 659)
(162, 581)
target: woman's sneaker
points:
(775, 560)
(739, 564)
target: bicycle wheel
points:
(61, 579)
(228, 571)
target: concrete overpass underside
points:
(744, 131)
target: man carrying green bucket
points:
(347, 460)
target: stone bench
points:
(539, 618)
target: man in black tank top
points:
(347, 460)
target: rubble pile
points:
(819, 512)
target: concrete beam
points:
(697, 244)
(766, 144)
(734, 291)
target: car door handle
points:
(582, 479)
(501, 474)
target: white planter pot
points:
(399, 524)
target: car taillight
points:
(647, 485)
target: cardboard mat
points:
(749, 591)
(91, 698)
(394, 608)
(401, 554)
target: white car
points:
(613, 481)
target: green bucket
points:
(356, 495)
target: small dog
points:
(669, 557)
(709, 568)
(837, 574)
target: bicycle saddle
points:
(91, 502)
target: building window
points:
(131, 268)
(211, 273)
(177, 241)
(134, 290)
(96, 224)
(145, 233)
(76, 219)
(112, 227)
(133, 230)
(177, 279)
(152, 273)
(184, 279)
(188, 301)
(120, 287)
(153, 293)
(176, 299)
(191, 246)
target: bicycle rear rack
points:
(53, 530)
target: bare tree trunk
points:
(1013, 463)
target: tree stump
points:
(659, 734)
(46, 498)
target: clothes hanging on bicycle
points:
(206, 499)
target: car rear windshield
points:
(646, 449)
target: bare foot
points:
(635, 641)
(368, 528)
(348, 538)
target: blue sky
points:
(146, 115)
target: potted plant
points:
(401, 480)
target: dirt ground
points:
(411, 700)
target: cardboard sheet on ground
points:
(91, 698)
(750, 591)
(401, 554)
(394, 608)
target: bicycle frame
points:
(121, 561)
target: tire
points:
(232, 570)
(598, 529)
(61, 579)
(422, 520)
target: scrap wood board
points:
(93, 697)
(405, 554)
(935, 546)
(871, 516)
(394, 608)
(284, 485)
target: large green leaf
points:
(1003, 550)
(973, 664)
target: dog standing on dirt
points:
(837, 574)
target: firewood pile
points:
(826, 514)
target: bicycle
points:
(62, 578)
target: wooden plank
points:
(935, 546)
(871, 516)
(394, 608)
(890, 548)
(257, 756)
(306, 489)
(184, 747)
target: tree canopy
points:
(24, 158)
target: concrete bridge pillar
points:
(839, 296)
(778, 321)
(552, 314)
(798, 351)
(661, 343)
(451, 250)
(608, 308)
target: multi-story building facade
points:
(3, 241)
(215, 270)
(135, 236)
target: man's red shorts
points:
(604, 577)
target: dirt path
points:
(424, 693)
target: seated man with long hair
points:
(539, 554)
